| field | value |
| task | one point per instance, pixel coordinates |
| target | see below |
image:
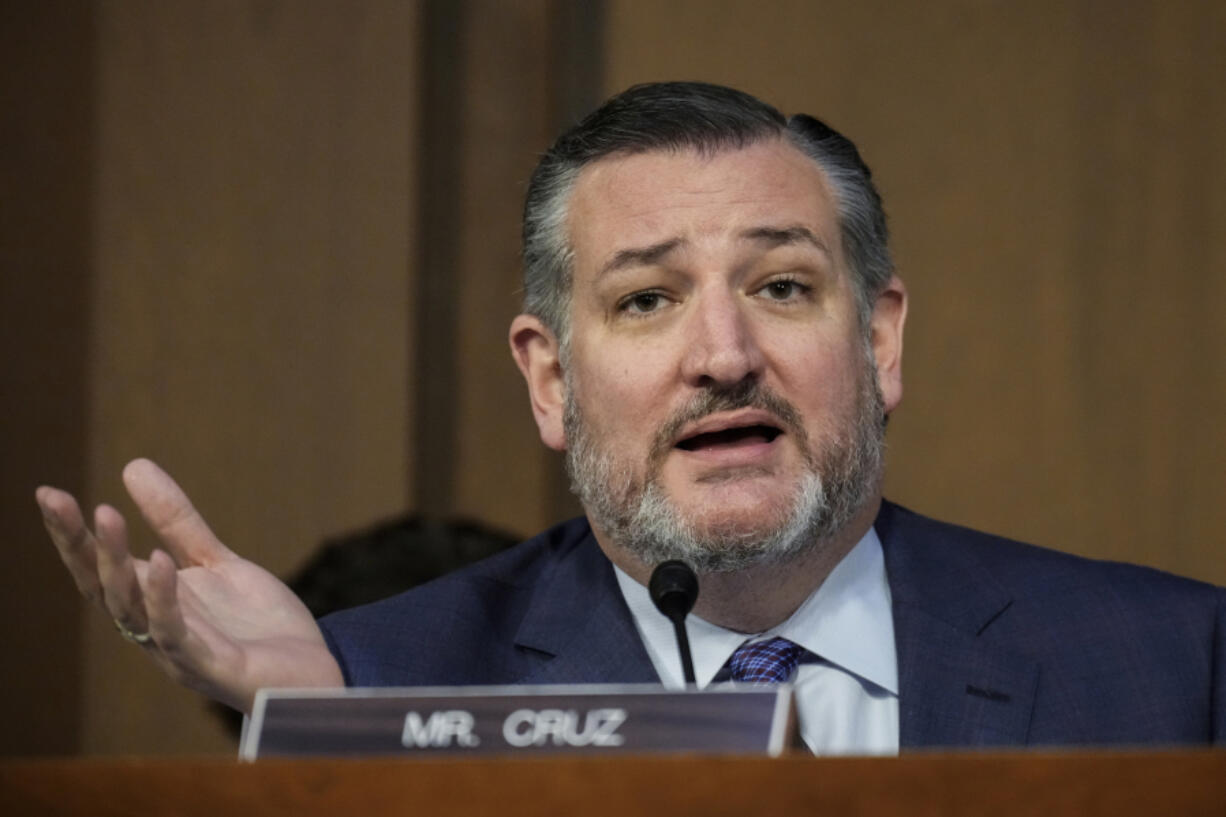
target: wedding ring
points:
(135, 638)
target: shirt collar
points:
(848, 621)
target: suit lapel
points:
(578, 620)
(956, 688)
(956, 691)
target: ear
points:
(889, 316)
(536, 352)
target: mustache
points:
(746, 394)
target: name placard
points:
(491, 720)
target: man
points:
(713, 333)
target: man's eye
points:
(642, 302)
(783, 290)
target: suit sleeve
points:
(1218, 714)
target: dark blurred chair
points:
(369, 565)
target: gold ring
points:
(135, 638)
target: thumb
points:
(171, 515)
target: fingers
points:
(99, 562)
(187, 655)
(121, 593)
(75, 544)
(171, 515)
(145, 597)
(166, 623)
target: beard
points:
(639, 516)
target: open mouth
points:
(729, 437)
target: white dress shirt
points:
(846, 698)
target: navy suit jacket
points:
(999, 643)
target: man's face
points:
(721, 399)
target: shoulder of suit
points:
(906, 535)
(487, 580)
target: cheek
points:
(624, 383)
(622, 407)
(611, 408)
(822, 383)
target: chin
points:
(749, 505)
(734, 550)
(736, 519)
(751, 526)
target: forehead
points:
(645, 199)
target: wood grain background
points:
(273, 245)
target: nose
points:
(721, 346)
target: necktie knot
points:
(769, 662)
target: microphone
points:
(674, 589)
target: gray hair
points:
(709, 119)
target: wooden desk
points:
(997, 785)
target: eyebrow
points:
(640, 256)
(783, 236)
(769, 236)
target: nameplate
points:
(517, 720)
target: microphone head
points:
(673, 588)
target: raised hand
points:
(211, 620)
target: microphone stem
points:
(683, 646)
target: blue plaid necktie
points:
(765, 662)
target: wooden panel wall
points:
(504, 77)
(46, 54)
(227, 253)
(484, 454)
(251, 299)
(1054, 178)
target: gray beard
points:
(640, 517)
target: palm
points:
(216, 622)
(251, 631)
